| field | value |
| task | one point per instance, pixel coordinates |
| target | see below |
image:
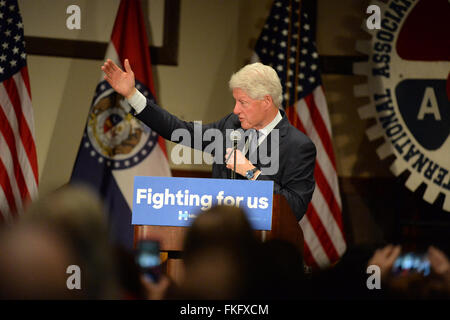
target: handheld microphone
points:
(235, 136)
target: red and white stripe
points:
(18, 160)
(322, 224)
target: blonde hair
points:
(258, 80)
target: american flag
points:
(287, 44)
(18, 160)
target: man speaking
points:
(288, 160)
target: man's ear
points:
(268, 101)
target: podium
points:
(284, 223)
(284, 227)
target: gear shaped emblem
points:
(408, 86)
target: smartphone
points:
(148, 259)
(410, 263)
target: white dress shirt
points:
(263, 133)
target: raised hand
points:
(122, 82)
(385, 258)
(439, 261)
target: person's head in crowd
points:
(33, 263)
(218, 255)
(281, 271)
(215, 273)
(78, 214)
(346, 279)
(222, 226)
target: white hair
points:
(258, 80)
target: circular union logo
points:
(408, 87)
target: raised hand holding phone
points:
(148, 259)
(439, 262)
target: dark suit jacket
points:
(297, 153)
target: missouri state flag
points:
(115, 146)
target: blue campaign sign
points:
(167, 201)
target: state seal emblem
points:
(112, 134)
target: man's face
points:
(249, 111)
